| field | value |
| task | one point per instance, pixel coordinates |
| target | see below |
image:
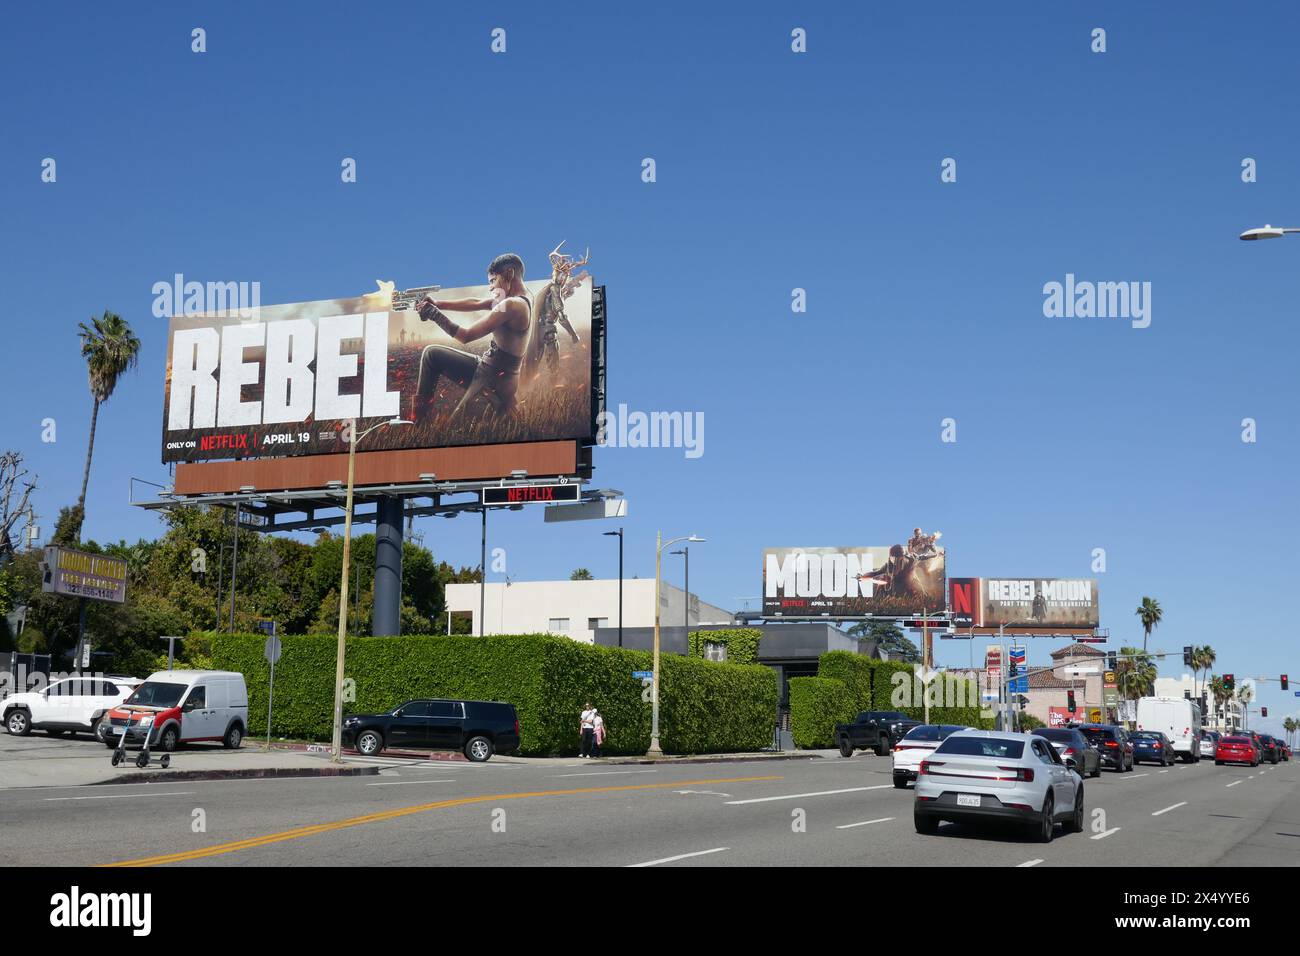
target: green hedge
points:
(854, 670)
(817, 704)
(704, 707)
(884, 685)
(742, 643)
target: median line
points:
(1105, 833)
(123, 796)
(1028, 863)
(819, 793)
(680, 856)
(1167, 809)
(283, 836)
(1235, 782)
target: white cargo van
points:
(181, 707)
(1177, 718)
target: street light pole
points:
(685, 552)
(619, 534)
(660, 544)
(336, 751)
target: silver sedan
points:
(984, 776)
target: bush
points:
(884, 684)
(817, 704)
(704, 707)
(855, 671)
(741, 642)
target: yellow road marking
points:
(300, 832)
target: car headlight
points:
(146, 721)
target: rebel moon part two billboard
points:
(896, 581)
(286, 381)
(1025, 602)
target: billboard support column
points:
(387, 613)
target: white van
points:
(181, 707)
(1177, 718)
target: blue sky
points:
(775, 170)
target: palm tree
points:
(1289, 725)
(110, 348)
(1203, 659)
(1219, 691)
(1136, 672)
(1149, 614)
(1245, 694)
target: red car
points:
(1236, 750)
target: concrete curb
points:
(707, 758)
(249, 773)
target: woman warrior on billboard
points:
(543, 342)
(494, 377)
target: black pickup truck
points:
(476, 728)
(874, 729)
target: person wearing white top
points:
(588, 727)
(598, 732)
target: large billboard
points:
(901, 580)
(477, 365)
(1024, 602)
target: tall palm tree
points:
(110, 349)
(1149, 613)
(1203, 659)
(1219, 691)
(1289, 725)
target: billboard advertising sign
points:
(1060, 716)
(1025, 602)
(896, 581)
(81, 574)
(491, 364)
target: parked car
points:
(1209, 743)
(476, 728)
(1178, 718)
(1075, 749)
(987, 776)
(1153, 747)
(73, 705)
(1236, 749)
(179, 707)
(1272, 750)
(1286, 751)
(878, 730)
(1113, 744)
(916, 744)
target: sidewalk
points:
(215, 764)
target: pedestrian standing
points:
(587, 726)
(598, 732)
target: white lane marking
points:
(1235, 782)
(1167, 809)
(1262, 772)
(407, 783)
(1162, 771)
(864, 823)
(1137, 775)
(680, 856)
(599, 773)
(124, 796)
(820, 793)
(1028, 863)
(1105, 833)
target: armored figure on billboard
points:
(923, 545)
(494, 377)
(1039, 610)
(543, 342)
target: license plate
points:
(968, 800)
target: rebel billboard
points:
(513, 361)
(1024, 602)
(900, 580)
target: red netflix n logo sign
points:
(964, 602)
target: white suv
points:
(75, 704)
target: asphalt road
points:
(734, 814)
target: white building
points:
(1227, 719)
(576, 608)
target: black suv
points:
(476, 728)
(1112, 742)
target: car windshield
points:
(158, 694)
(982, 747)
(926, 732)
(1056, 734)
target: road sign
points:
(1108, 678)
(643, 675)
(271, 649)
(531, 494)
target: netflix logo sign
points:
(965, 602)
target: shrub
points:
(817, 704)
(741, 642)
(704, 707)
(854, 670)
(883, 686)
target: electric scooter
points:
(142, 760)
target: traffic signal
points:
(1263, 712)
(1229, 682)
(1187, 656)
(1284, 682)
(1069, 700)
(1111, 660)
